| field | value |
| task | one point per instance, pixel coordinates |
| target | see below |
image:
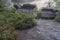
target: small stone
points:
(38, 32)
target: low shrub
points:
(11, 20)
(7, 31)
(27, 21)
(39, 15)
(58, 16)
(19, 20)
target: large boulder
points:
(48, 13)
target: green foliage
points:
(1, 5)
(18, 20)
(6, 28)
(57, 4)
(58, 16)
(39, 15)
(11, 20)
(58, 13)
(7, 31)
(25, 21)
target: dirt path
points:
(45, 30)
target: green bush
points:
(19, 20)
(27, 21)
(7, 31)
(6, 28)
(39, 15)
(58, 16)
(11, 20)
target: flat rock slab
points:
(45, 30)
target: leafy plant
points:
(11, 20)
(58, 16)
(7, 31)
(58, 13)
(39, 15)
(25, 21)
